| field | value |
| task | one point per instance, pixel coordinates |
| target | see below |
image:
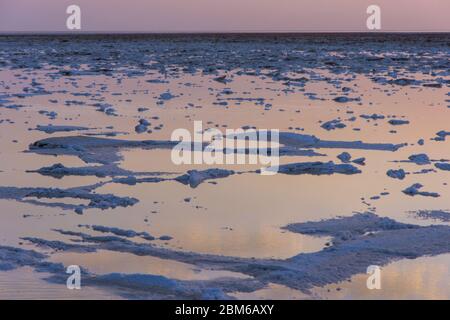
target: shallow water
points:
(241, 215)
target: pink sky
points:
(224, 15)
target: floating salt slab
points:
(142, 126)
(74, 103)
(94, 149)
(148, 286)
(194, 178)
(424, 171)
(420, 159)
(283, 151)
(50, 114)
(310, 141)
(13, 106)
(345, 157)
(106, 134)
(344, 99)
(441, 135)
(346, 228)
(333, 124)
(55, 128)
(59, 171)
(316, 168)
(396, 174)
(166, 96)
(222, 79)
(96, 200)
(132, 180)
(398, 122)
(403, 82)
(443, 166)
(432, 85)
(120, 232)
(106, 108)
(360, 161)
(439, 215)
(414, 190)
(158, 81)
(373, 116)
(12, 258)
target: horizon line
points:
(6, 33)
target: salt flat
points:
(86, 176)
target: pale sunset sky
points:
(223, 15)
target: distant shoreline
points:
(235, 33)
